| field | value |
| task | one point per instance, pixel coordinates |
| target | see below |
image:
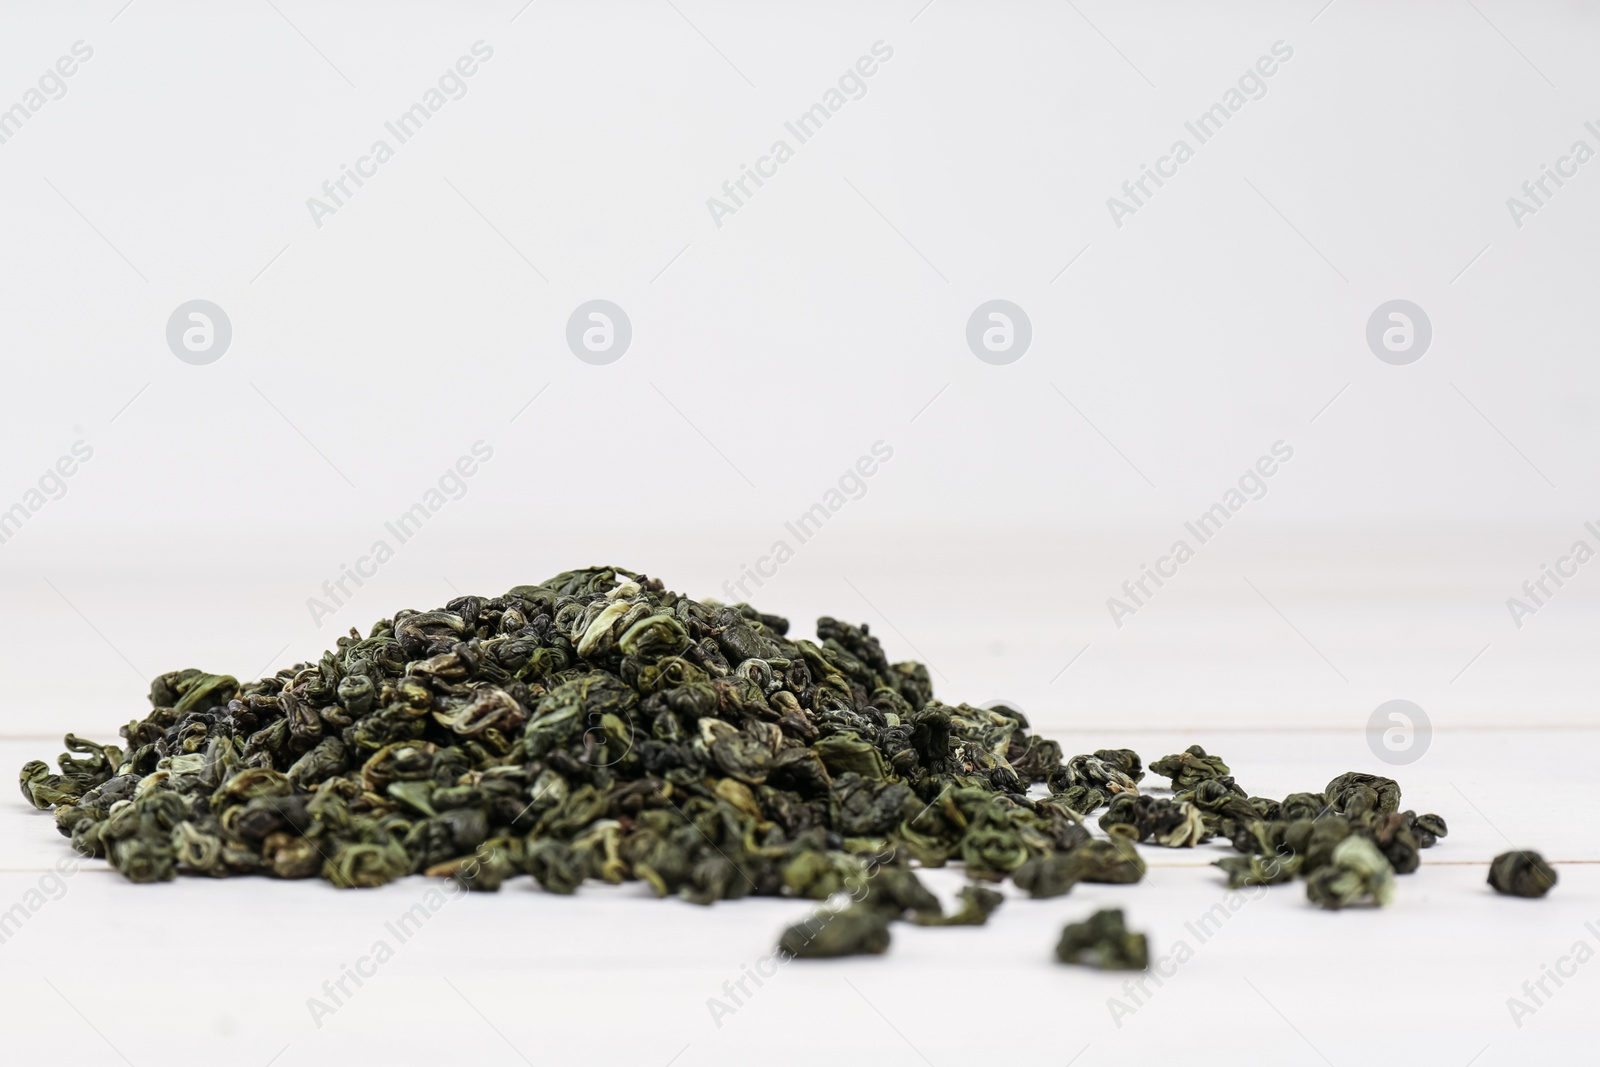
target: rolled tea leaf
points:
(977, 903)
(1357, 873)
(1049, 876)
(1521, 874)
(1105, 942)
(1190, 767)
(1115, 862)
(897, 890)
(1170, 822)
(1258, 870)
(1353, 793)
(855, 931)
(1428, 829)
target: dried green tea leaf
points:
(482, 872)
(1104, 776)
(1225, 808)
(1103, 941)
(1521, 874)
(994, 849)
(897, 890)
(1082, 798)
(1427, 828)
(855, 931)
(1353, 793)
(1258, 870)
(1043, 877)
(1115, 862)
(1393, 835)
(1173, 823)
(1302, 806)
(977, 903)
(1311, 840)
(1125, 760)
(1357, 873)
(1189, 767)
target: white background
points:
(768, 354)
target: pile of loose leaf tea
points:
(597, 726)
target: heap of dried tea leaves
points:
(594, 726)
(597, 726)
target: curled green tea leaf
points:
(1357, 873)
(1354, 793)
(1190, 767)
(1103, 941)
(855, 931)
(978, 902)
(1521, 874)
